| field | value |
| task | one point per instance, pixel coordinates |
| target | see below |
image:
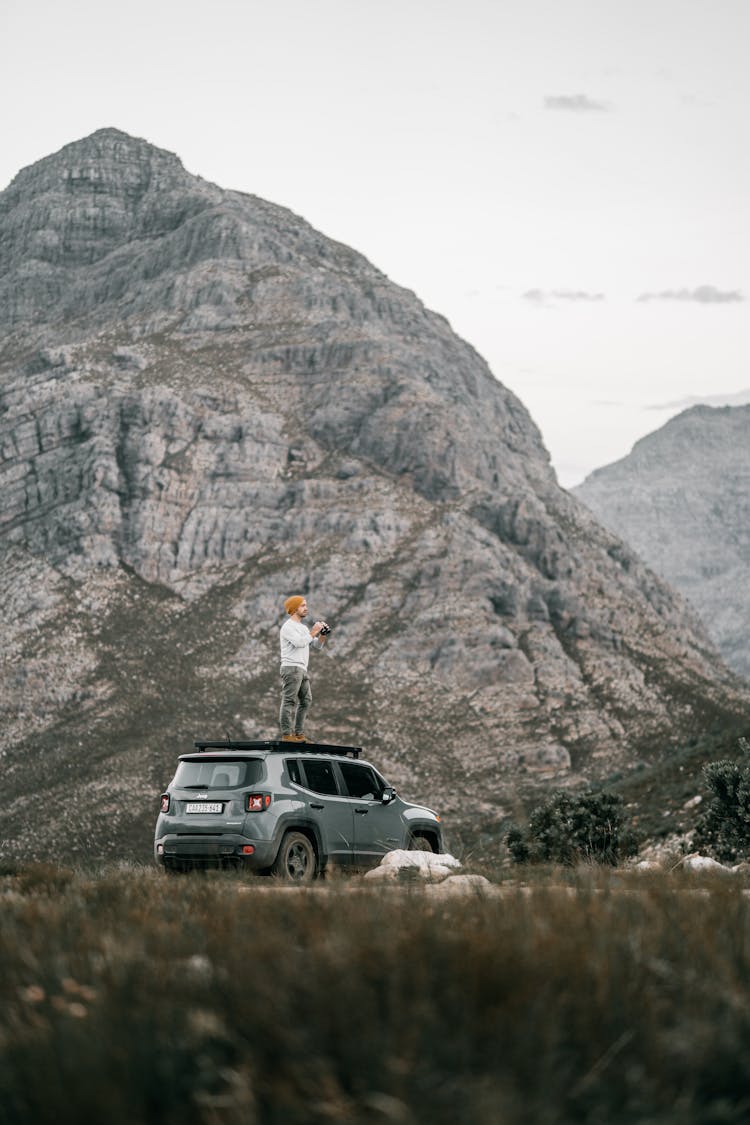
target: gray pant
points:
(296, 697)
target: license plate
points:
(204, 806)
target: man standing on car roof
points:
(296, 694)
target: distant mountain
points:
(206, 405)
(682, 500)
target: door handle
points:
(362, 812)
(312, 806)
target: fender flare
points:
(428, 830)
(295, 823)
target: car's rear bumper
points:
(184, 850)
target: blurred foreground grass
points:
(129, 997)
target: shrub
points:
(724, 828)
(37, 877)
(573, 827)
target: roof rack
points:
(278, 746)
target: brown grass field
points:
(583, 996)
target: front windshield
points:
(218, 773)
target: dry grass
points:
(580, 997)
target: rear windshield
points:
(218, 773)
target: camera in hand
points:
(324, 630)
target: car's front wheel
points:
(420, 844)
(296, 861)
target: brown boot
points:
(300, 737)
(289, 738)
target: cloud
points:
(734, 398)
(730, 398)
(575, 103)
(703, 295)
(542, 296)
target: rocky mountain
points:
(681, 498)
(206, 405)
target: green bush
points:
(572, 828)
(724, 828)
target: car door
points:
(332, 812)
(378, 827)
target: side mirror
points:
(388, 794)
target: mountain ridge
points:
(680, 499)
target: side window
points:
(320, 777)
(292, 768)
(361, 782)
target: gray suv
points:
(287, 809)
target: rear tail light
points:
(165, 802)
(258, 802)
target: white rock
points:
(437, 871)
(382, 874)
(428, 866)
(465, 885)
(402, 858)
(704, 863)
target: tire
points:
(296, 861)
(420, 844)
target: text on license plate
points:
(204, 806)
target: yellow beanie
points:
(291, 605)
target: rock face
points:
(682, 500)
(205, 406)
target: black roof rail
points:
(278, 746)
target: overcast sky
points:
(568, 181)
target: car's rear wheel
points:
(296, 861)
(420, 844)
